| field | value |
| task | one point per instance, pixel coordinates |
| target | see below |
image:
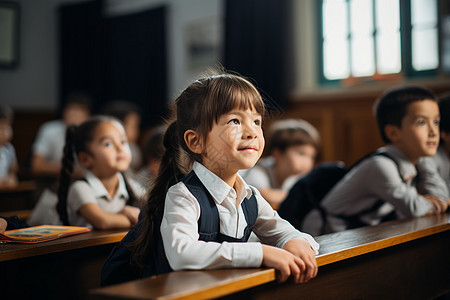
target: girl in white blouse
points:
(203, 220)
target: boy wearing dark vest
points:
(387, 186)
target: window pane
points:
(388, 53)
(336, 60)
(425, 49)
(363, 57)
(423, 12)
(335, 19)
(387, 14)
(361, 17)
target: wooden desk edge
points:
(66, 243)
(262, 276)
(329, 258)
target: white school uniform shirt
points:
(7, 159)
(93, 191)
(50, 140)
(179, 226)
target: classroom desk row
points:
(20, 197)
(65, 268)
(405, 259)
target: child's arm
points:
(101, 219)
(430, 181)
(380, 178)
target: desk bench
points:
(64, 268)
(407, 259)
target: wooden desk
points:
(400, 259)
(19, 197)
(65, 268)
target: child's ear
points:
(85, 160)
(445, 136)
(193, 141)
(392, 132)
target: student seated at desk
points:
(8, 160)
(202, 219)
(441, 161)
(388, 186)
(293, 145)
(104, 199)
(47, 149)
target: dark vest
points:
(119, 267)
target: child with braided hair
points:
(104, 199)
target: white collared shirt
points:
(179, 226)
(93, 191)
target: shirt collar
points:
(99, 189)
(407, 168)
(218, 188)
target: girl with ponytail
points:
(103, 199)
(200, 212)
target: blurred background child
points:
(8, 160)
(153, 153)
(104, 199)
(292, 145)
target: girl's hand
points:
(302, 249)
(3, 225)
(132, 213)
(286, 263)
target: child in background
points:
(129, 114)
(441, 161)
(203, 220)
(8, 160)
(293, 146)
(153, 153)
(103, 199)
(384, 187)
(47, 149)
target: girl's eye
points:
(108, 144)
(421, 122)
(124, 142)
(258, 122)
(234, 122)
(436, 122)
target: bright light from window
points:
(425, 53)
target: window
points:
(367, 38)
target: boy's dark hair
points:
(391, 107)
(6, 112)
(444, 110)
(120, 109)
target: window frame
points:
(407, 70)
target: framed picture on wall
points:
(9, 34)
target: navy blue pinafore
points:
(119, 266)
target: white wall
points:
(34, 83)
